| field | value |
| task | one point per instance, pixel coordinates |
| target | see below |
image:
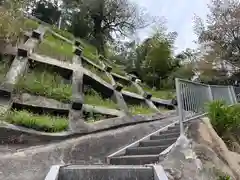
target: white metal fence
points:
(192, 98)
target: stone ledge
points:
(78, 51)
(118, 87)
(147, 96)
(6, 90)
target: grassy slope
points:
(44, 123)
(55, 48)
(45, 84)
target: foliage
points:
(44, 123)
(224, 119)
(47, 11)
(11, 20)
(94, 98)
(141, 109)
(221, 35)
(55, 48)
(46, 84)
(106, 18)
(30, 25)
(224, 177)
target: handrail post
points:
(179, 104)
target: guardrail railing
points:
(192, 98)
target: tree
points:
(11, 20)
(111, 18)
(47, 11)
(221, 36)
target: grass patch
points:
(118, 71)
(44, 123)
(55, 48)
(5, 64)
(98, 72)
(93, 98)
(131, 88)
(141, 109)
(48, 84)
(163, 94)
(30, 25)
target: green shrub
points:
(224, 118)
(224, 177)
(55, 48)
(44, 123)
(45, 84)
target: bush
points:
(44, 123)
(225, 119)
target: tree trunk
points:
(98, 35)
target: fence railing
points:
(192, 98)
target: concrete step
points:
(170, 131)
(164, 142)
(134, 160)
(145, 150)
(165, 136)
(94, 172)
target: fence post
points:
(179, 104)
(210, 93)
(233, 95)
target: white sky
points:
(179, 15)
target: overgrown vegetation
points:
(44, 123)
(162, 94)
(226, 122)
(141, 109)
(93, 98)
(44, 83)
(55, 48)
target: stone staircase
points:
(148, 150)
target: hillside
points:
(54, 74)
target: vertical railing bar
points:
(181, 118)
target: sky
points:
(179, 15)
